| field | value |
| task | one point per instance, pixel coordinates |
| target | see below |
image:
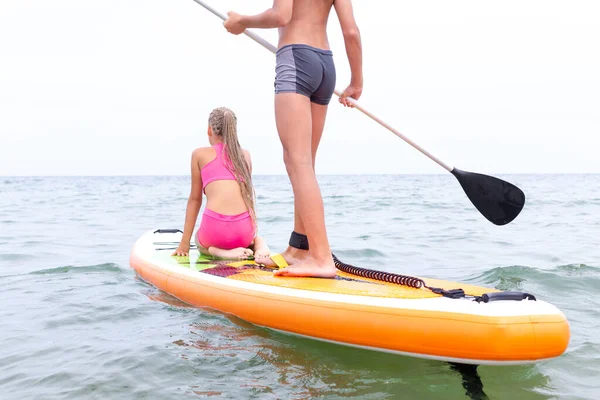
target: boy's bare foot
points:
(240, 253)
(311, 268)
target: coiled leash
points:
(300, 241)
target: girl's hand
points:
(183, 250)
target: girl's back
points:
(223, 192)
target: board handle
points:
(518, 296)
(168, 231)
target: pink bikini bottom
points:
(225, 231)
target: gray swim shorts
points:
(306, 70)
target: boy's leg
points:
(294, 255)
(318, 115)
(294, 124)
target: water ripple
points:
(77, 322)
(106, 267)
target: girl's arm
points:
(193, 207)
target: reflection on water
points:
(309, 368)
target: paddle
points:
(497, 200)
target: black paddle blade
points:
(470, 380)
(499, 201)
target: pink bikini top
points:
(216, 170)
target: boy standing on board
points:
(304, 84)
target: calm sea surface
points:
(76, 322)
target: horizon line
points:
(285, 175)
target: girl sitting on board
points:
(224, 172)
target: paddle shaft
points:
(273, 50)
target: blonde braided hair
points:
(223, 123)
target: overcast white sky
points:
(120, 87)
